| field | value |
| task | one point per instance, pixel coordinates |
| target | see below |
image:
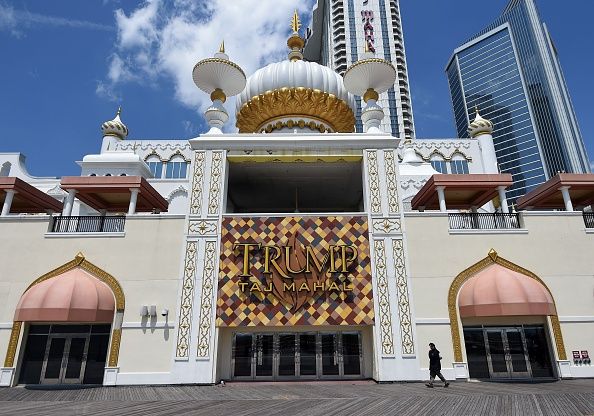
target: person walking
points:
(435, 366)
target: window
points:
(459, 166)
(439, 165)
(155, 165)
(176, 168)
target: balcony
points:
(88, 224)
(486, 221)
(588, 219)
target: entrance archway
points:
(73, 309)
(508, 308)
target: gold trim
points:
(276, 124)
(295, 102)
(219, 61)
(78, 261)
(293, 158)
(13, 343)
(494, 258)
(367, 61)
(370, 94)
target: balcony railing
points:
(589, 219)
(89, 224)
(484, 221)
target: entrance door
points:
(329, 355)
(507, 356)
(65, 358)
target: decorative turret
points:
(368, 78)
(482, 130)
(295, 42)
(115, 127)
(480, 126)
(219, 77)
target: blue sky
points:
(67, 64)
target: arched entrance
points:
(72, 315)
(509, 320)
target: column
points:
(133, 199)
(441, 196)
(69, 203)
(7, 201)
(566, 198)
(503, 199)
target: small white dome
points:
(115, 127)
(480, 126)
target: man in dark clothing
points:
(435, 366)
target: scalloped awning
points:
(74, 296)
(498, 291)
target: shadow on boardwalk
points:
(569, 397)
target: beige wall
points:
(146, 263)
(555, 247)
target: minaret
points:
(482, 130)
(114, 131)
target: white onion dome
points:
(480, 126)
(115, 127)
(295, 94)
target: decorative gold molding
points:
(493, 258)
(187, 297)
(391, 182)
(214, 192)
(373, 182)
(206, 299)
(296, 102)
(366, 61)
(383, 296)
(78, 261)
(385, 225)
(295, 122)
(406, 329)
(13, 343)
(219, 61)
(203, 227)
(295, 158)
(197, 180)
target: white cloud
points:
(14, 21)
(166, 39)
(107, 91)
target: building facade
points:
(340, 33)
(295, 250)
(511, 71)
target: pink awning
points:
(498, 291)
(74, 296)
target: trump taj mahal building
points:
(295, 249)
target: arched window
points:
(176, 168)
(439, 164)
(155, 165)
(459, 165)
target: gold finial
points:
(222, 47)
(366, 47)
(295, 22)
(119, 110)
(493, 254)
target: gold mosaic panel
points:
(237, 307)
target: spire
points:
(222, 47)
(295, 42)
(480, 125)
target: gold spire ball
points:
(295, 42)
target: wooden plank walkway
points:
(568, 397)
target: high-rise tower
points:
(339, 34)
(511, 72)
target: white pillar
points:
(7, 201)
(566, 198)
(503, 199)
(69, 203)
(133, 199)
(488, 153)
(441, 197)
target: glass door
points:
(351, 354)
(507, 354)
(518, 362)
(264, 355)
(287, 355)
(65, 359)
(307, 356)
(242, 356)
(329, 355)
(496, 353)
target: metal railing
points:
(484, 221)
(589, 219)
(89, 224)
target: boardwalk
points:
(570, 397)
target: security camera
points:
(165, 312)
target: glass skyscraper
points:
(510, 71)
